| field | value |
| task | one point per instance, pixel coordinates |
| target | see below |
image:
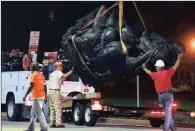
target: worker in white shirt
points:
(55, 102)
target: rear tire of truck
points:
(78, 113)
(13, 110)
(156, 123)
(89, 116)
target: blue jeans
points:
(46, 111)
(166, 101)
(36, 111)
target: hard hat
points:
(159, 63)
(58, 63)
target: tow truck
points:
(83, 109)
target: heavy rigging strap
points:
(124, 48)
(141, 18)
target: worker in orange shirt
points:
(39, 93)
(54, 97)
(162, 81)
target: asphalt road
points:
(19, 126)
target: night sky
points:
(19, 18)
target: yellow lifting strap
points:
(124, 48)
(80, 56)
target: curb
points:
(127, 122)
(133, 122)
(185, 124)
(130, 122)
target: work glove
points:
(72, 68)
(143, 65)
(180, 55)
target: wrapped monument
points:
(97, 54)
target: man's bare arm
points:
(68, 73)
(177, 63)
(145, 69)
(45, 89)
(29, 90)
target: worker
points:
(47, 72)
(39, 93)
(54, 96)
(50, 68)
(162, 80)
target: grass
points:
(183, 118)
(183, 104)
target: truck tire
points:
(13, 110)
(78, 113)
(89, 116)
(156, 122)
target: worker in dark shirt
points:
(50, 69)
(162, 80)
(50, 66)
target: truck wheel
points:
(156, 122)
(13, 110)
(78, 114)
(90, 116)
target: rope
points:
(124, 48)
(138, 12)
(139, 15)
(80, 56)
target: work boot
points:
(60, 126)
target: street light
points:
(193, 44)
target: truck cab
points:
(14, 87)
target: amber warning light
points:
(193, 44)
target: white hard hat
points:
(159, 63)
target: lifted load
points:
(97, 49)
